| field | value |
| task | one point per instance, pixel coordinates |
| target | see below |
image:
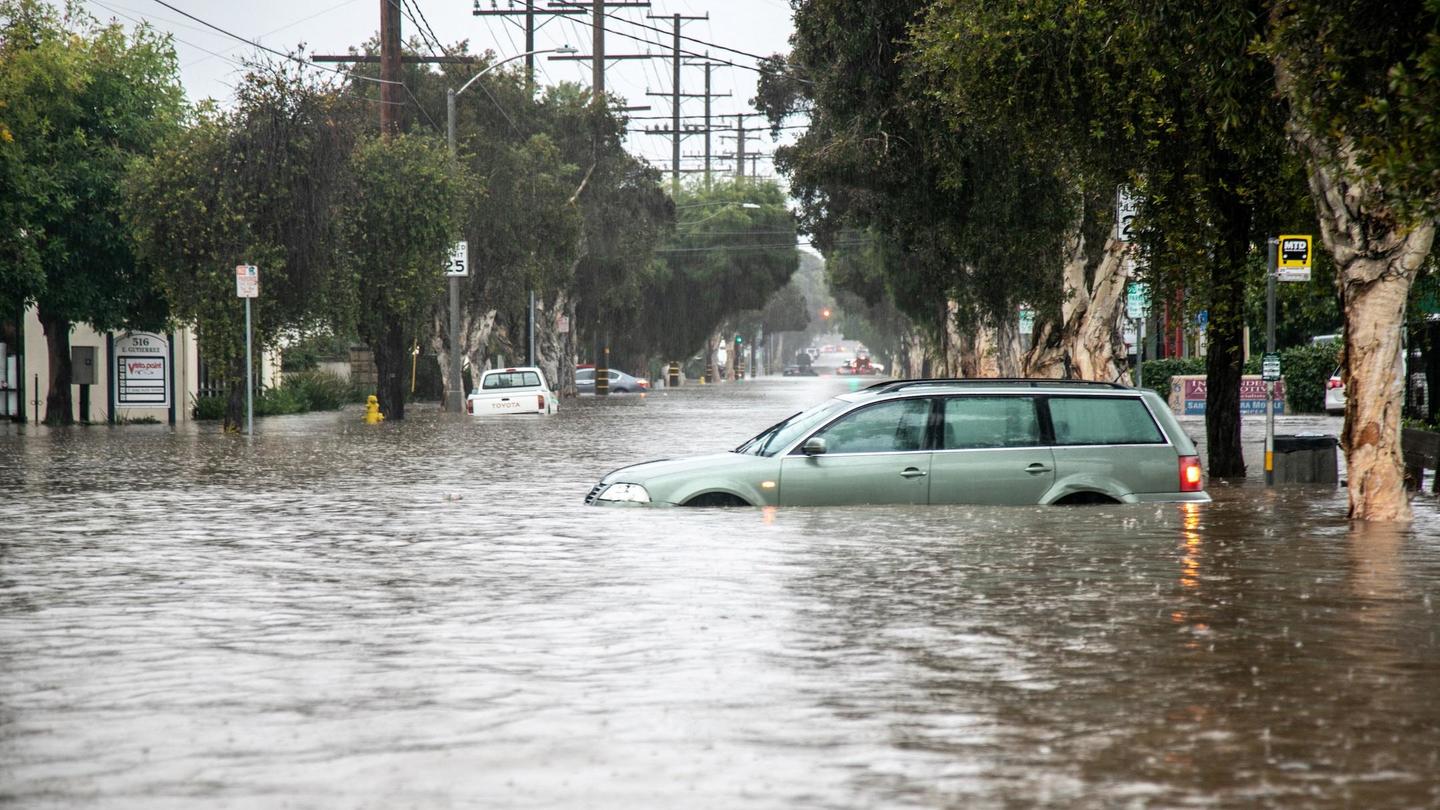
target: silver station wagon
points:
(940, 442)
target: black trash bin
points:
(1306, 459)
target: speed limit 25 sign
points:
(459, 265)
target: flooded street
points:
(424, 614)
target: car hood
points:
(647, 471)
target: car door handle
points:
(1037, 467)
(913, 472)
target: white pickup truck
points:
(512, 390)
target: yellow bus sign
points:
(1294, 261)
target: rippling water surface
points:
(423, 614)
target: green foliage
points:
(1157, 373)
(299, 393)
(259, 184)
(786, 311)
(78, 101)
(978, 220)
(400, 220)
(1379, 91)
(1307, 369)
(733, 247)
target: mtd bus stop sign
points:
(1294, 262)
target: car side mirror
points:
(814, 446)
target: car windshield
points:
(510, 379)
(775, 438)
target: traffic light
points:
(739, 340)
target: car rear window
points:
(510, 379)
(1103, 420)
(973, 422)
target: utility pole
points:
(390, 59)
(675, 95)
(389, 66)
(529, 12)
(708, 66)
(598, 57)
(740, 145)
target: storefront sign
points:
(142, 371)
(1191, 392)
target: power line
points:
(695, 40)
(692, 54)
(280, 54)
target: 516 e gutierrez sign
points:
(142, 371)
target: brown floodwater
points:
(424, 614)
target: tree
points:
(400, 219)
(977, 223)
(733, 247)
(260, 184)
(1362, 112)
(78, 101)
(1167, 95)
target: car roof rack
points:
(898, 385)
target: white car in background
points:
(512, 390)
(1335, 394)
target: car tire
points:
(619, 391)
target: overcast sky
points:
(209, 61)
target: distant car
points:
(1335, 394)
(620, 382)
(512, 390)
(800, 371)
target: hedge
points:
(1306, 368)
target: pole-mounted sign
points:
(459, 260)
(247, 281)
(247, 286)
(1127, 207)
(1295, 252)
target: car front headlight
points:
(630, 493)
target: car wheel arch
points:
(1084, 490)
(716, 497)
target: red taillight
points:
(1334, 382)
(1190, 474)
(541, 397)
(470, 406)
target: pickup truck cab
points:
(512, 390)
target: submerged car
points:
(941, 442)
(512, 390)
(620, 382)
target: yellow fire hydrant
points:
(373, 416)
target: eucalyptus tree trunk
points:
(555, 350)
(1086, 343)
(991, 350)
(1376, 259)
(475, 331)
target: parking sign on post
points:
(247, 281)
(247, 286)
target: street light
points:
(455, 395)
